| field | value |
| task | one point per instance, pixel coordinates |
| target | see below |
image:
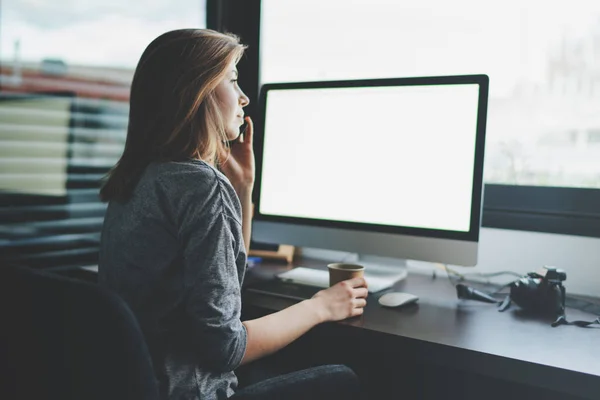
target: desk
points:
(468, 336)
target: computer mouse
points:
(397, 299)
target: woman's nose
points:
(244, 100)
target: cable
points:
(493, 274)
(458, 277)
(463, 276)
(582, 304)
(454, 278)
(501, 288)
(448, 273)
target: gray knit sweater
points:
(175, 253)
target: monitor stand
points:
(382, 272)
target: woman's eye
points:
(234, 80)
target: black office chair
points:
(62, 338)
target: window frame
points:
(559, 210)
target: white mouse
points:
(397, 299)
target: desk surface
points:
(471, 335)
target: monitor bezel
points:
(471, 235)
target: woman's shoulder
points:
(184, 175)
(192, 181)
(184, 168)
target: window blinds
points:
(54, 150)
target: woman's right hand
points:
(343, 300)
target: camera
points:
(542, 293)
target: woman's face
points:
(232, 101)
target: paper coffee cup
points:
(341, 271)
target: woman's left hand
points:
(238, 163)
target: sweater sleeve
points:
(211, 236)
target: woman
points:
(177, 229)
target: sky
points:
(110, 33)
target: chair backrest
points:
(62, 338)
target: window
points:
(543, 68)
(542, 59)
(65, 72)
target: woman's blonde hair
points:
(173, 113)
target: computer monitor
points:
(390, 168)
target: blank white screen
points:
(400, 156)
